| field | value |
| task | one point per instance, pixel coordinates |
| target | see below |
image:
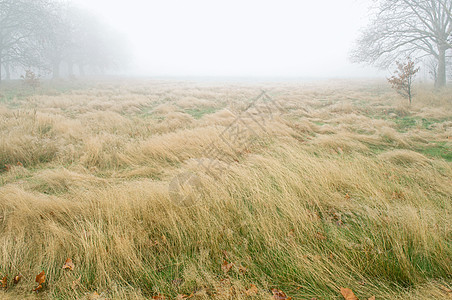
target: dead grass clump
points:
(343, 107)
(339, 143)
(27, 150)
(351, 118)
(303, 126)
(170, 148)
(102, 151)
(433, 112)
(404, 157)
(107, 120)
(57, 181)
(221, 117)
(194, 102)
(174, 121)
(428, 97)
(391, 136)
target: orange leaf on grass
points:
(40, 279)
(226, 267)
(279, 295)
(4, 282)
(68, 264)
(159, 297)
(348, 294)
(252, 290)
(38, 288)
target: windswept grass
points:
(347, 186)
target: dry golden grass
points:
(348, 186)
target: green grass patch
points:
(406, 123)
(437, 149)
(198, 113)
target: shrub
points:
(30, 79)
(403, 78)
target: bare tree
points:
(408, 28)
(41, 34)
(20, 20)
(57, 39)
(77, 37)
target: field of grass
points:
(313, 187)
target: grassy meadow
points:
(329, 185)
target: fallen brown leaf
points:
(226, 267)
(348, 294)
(40, 279)
(252, 290)
(38, 288)
(68, 265)
(280, 295)
(4, 282)
(159, 297)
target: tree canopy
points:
(408, 28)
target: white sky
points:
(304, 38)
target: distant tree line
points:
(45, 35)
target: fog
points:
(238, 38)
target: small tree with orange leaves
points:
(403, 78)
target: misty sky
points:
(301, 38)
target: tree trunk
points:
(441, 74)
(81, 69)
(7, 72)
(56, 70)
(70, 68)
(0, 67)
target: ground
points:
(205, 189)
